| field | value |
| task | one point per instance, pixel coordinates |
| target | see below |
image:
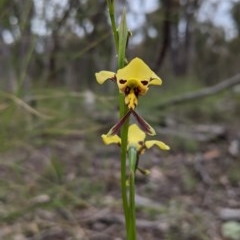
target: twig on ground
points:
(25, 106)
(227, 214)
(199, 168)
(205, 92)
(108, 218)
(201, 133)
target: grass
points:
(29, 166)
(63, 116)
(20, 182)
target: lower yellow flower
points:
(136, 139)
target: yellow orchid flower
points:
(136, 139)
(132, 80)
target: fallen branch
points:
(205, 92)
(229, 214)
(110, 218)
(24, 105)
(201, 133)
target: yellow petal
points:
(160, 144)
(136, 136)
(108, 139)
(104, 76)
(155, 81)
(139, 71)
(131, 100)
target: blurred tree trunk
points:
(235, 12)
(8, 78)
(53, 67)
(16, 21)
(167, 9)
(176, 34)
(181, 34)
(98, 20)
(22, 55)
(52, 59)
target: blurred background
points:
(58, 180)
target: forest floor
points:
(61, 183)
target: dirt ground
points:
(69, 188)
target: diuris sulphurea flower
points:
(136, 140)
(133, 81)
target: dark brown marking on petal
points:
(122, 81)
(144, 82)
(114, 79)
(142, 148)
(136, 91)
(116, 128)
(127, 90)
(145, 126)
(140, 143)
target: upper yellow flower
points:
(136, 139)
(132, 80)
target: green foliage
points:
(233, 174)
(231, 230)
(55, 171)
(189, 180)
(181, 226)
(58, 113)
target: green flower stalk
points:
(121, 39)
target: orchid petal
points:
(108, 139)
(116, 128)
(131, 100)
(137, 70)
(144, 124)
(155, 81)
(160, 144)
(103, 76)
(135, 134)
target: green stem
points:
(120, 38)
(124, 190)
(133, 157)
(123, 35)
(111, 10)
